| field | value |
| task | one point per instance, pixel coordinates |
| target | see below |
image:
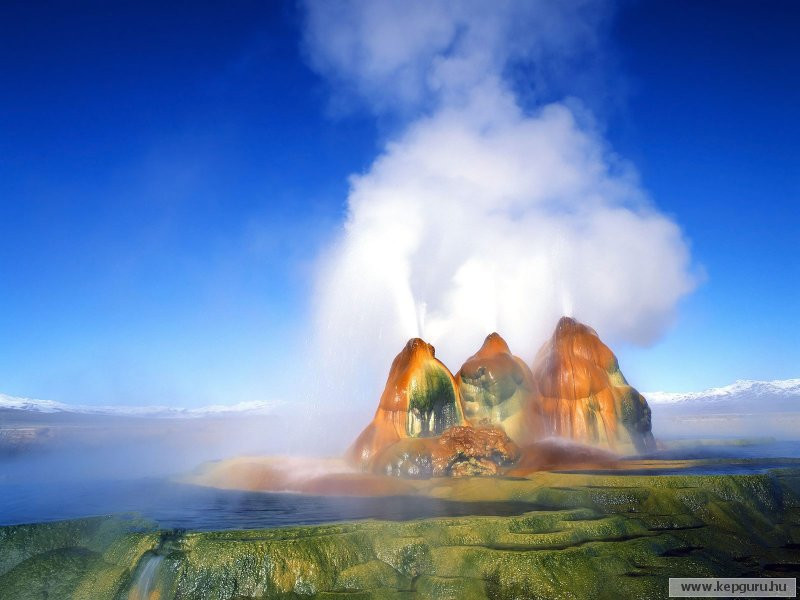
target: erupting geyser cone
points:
(420, 400)
(497, 415)
(497, 388)
(584, 395)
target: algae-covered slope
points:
(86, 559)
(593, 536)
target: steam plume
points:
(482, 214)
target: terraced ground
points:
(593, 536)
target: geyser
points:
(497, 410)
(487, 209)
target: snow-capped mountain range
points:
(744, 395)
(49, 406)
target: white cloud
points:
(404, 55)
(480, 216)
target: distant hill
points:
(50, 407)
(742, 397)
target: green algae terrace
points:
(593, 536)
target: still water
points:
(175, 505)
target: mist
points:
(488, 210)
(74, 446)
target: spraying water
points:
(145, 586)
(487, 212)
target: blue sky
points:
(169, 174)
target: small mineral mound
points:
(459, 451)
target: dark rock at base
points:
(459, 451)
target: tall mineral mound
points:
(497, 388)
(420, 400)
(584, 395)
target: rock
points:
(459, 451)
(420, 400)
(497, 388)
(575, 391)
(585, 397)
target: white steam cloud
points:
(482, 215)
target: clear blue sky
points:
(169, 172)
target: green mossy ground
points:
(86, 559)
(594, 536)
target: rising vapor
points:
(482, 214)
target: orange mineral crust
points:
(497, 388)
(585, 397)
(553, 454)
(420, 400)
(316, 476)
